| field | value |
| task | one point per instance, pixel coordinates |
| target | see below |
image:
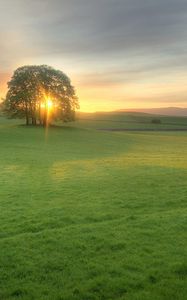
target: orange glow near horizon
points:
(155, 92)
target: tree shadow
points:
(53, 127)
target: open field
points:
(93, 215)
(122, 120)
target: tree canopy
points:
(40, 94)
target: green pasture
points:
(93, 215)
(121, 120)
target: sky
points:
(119, 54)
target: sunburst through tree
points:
(40, 94)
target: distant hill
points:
(168, 111)
(131, 120)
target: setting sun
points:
(49, 104)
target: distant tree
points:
(40, 94)
(156, 121)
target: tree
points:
(40, 94)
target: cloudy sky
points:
(118, 53)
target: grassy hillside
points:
(125, 120)
(89, 214)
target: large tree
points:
(40, 94)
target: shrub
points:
(156, 121)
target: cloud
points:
(100, 27)
(100, 42)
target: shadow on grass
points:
(53, 127)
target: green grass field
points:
(121, 120)
(93, 215)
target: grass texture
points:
(92, 215)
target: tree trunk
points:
(45, 120)
(33, 121)
(27, 120)
(40, 117)
(27, 115)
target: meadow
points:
(93, 215)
